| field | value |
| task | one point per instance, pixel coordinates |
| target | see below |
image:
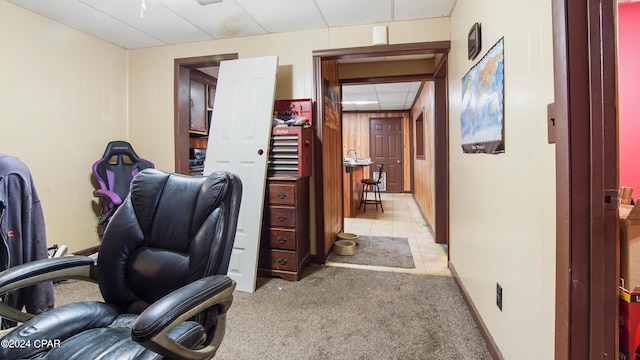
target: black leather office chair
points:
(114, 172)
(161, 269)
(371, 185)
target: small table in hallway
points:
(352, 188)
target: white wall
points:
(63, 96)
(151, 69)
(503, 206)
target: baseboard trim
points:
(429, 227)
(488, 339)
(89, 251)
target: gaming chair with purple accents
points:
(114, 171)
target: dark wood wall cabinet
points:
(284, 247)
(202, 89)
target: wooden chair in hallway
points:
(371, 185)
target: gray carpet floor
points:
(338, 313)
(379, 251)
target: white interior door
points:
(239, 142)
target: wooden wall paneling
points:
(441, 160)
(330, 221)
(407, 143)
(424, 170)
(355, 135)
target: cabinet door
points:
(198, 103)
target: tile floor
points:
(401, 218)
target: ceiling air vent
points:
(207, 2)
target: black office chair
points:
(371, 185)
(114, 171)
(161, 269)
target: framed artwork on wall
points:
(482, 113)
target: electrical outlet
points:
(499, 296)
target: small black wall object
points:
(475, 41)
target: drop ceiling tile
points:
(420, 9)
(393, 105)
(359, 89)
(155, 20)
(415, 86)
(89, 20)
(393, 87)
(284, 15)
(368, 107)
(397, 97)
(355, 12)
(220, 20)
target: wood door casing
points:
(587, 269)
(182, 75)
(325, 66)
(386, 147)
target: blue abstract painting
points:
(482, 115)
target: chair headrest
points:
(119, 148)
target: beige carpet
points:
(341, 313)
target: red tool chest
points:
(290, 152)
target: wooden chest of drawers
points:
(284, 246)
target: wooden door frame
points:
(399, 120)
(181, 76)
(441, 152)
(586, 171)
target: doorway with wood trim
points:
(182, 103)
(585, 126)
(328, 142)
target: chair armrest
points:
(113, 197)
(34, 272)
(152, 325)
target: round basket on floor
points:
(348, 236)
(344, 247)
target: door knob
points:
(398, 161)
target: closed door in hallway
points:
(386, 147)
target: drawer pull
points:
(282, 195)
(282, 261)
(282, 217)
(282, 239)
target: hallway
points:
(401, 218)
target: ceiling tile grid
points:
(133, 24)
(375, 97)
(221, 20)
(284, 15)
